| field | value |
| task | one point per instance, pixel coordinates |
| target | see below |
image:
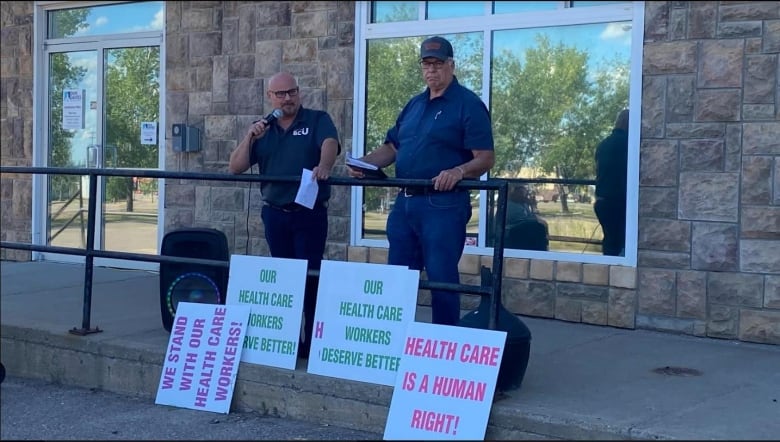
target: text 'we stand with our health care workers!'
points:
(209, 367)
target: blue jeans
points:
(428, 232)
(299, 235)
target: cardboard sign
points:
(445, 386)
(362, 313)
(273, 288)
(204, 350)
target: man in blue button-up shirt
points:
(443, 134)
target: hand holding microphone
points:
(276, 113)
(258, 130)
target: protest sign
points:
(204, 350)
(445, 384)
(360, 321)
(273, 288)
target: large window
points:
(554, 76)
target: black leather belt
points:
(295, 207)
(417, 191)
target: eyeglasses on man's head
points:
(291, 92)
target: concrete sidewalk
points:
(582, 381)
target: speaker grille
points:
(192, 282)
(192, 287)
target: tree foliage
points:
(63, 75)
(550, 105)
(549, 111)
(132, 97)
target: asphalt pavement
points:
(39, 410)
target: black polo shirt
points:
(287, 152)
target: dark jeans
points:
(429, 231)
(299, 235)
(612, 217)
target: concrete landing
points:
(582, 381)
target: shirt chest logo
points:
(302, 131)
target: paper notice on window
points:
(307, 192)
(73, 109)
(149, 132)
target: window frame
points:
(487, 24)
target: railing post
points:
(89, 258)
(498, 254)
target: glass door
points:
(73, 135)
(131, 113)
(104, 112)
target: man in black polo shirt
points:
(298, 139)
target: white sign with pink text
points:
(445, 384)
(201, 363)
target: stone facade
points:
(709, 219)
(16, 122)
(709, 179)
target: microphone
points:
(271, 117)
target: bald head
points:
(282, 81)
(621, 122)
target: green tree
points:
(548, 112)
(571, 154)
(63, 75)
(132, 97)
(529, 99)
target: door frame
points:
(43, 49)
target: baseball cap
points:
(437, 47)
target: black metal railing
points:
(493, 290)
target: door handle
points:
(93, 156)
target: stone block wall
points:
(16, 86)
(709, 194)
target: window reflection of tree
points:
(551, 102)
(132, 94)
(550, 108)
(63, 75)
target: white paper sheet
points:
(149, 132)
(307, 192)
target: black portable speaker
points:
(192, 282)
(517, 349)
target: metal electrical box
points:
(185, 138)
